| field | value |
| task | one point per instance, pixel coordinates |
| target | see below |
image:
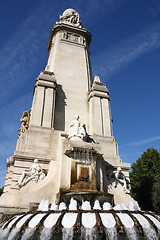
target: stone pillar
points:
(69, 59)
(100, 121)
(43, 107)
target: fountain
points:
(82, 222)
(73, 167)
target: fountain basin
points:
(98, 224)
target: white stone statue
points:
(118, 180)
(70, 16)
(76, 129)
(34, 173)
(24, 122)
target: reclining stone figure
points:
(117, 178)
(35, 173)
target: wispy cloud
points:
(96, 10)
(22, 53)
(141, 142)
(119, 56)
(154, 8)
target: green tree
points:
(156, 194)
(142, 178)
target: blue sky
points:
(125, 53)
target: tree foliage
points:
(156, 194)
(143, 177)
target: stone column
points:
(100, 121)
(43, 106)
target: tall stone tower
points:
(65, 146)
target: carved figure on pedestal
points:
(24, 122)
(35, 173)
(118, 180)
(77, 129)
(70, 16)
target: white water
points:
(62, 206)
(35, 220)
(86, 205)
(107, 206)
(51, 220)
(69, 220)
(89, 234)
(133, 206)
(67, 234)
(126, 220)
(150, 234)
(111, 234)
(131, 233)
(27, 234)
(154, 220)
(13, 234)
(108, 220)
(88, 220)
(142, 220)
(54, 207)
(4, 233)
(13, 221)
(44, 205)
(73, 204)
(121, 206)
(22, 221)
(97, 205)
(45, 234)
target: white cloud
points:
(119, 56)
(141, 142)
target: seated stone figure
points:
(117, 179)
(76, 129)
(70, 16)
(35, 173)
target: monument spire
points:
(65, 144)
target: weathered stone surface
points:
(63, 90)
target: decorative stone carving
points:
(118, 180)
(24, 122)
(34, 173)
(70, 16)
(77, 129)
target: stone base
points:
(90, 196)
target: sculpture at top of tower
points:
(71, 16)
(77, 129)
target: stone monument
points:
(65, 146)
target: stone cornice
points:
(66, 27)
(98, 91)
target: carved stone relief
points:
(34, 173)
(73, 38)
(118, 181)
(24, 122)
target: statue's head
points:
(76, 117)
(36, 160)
